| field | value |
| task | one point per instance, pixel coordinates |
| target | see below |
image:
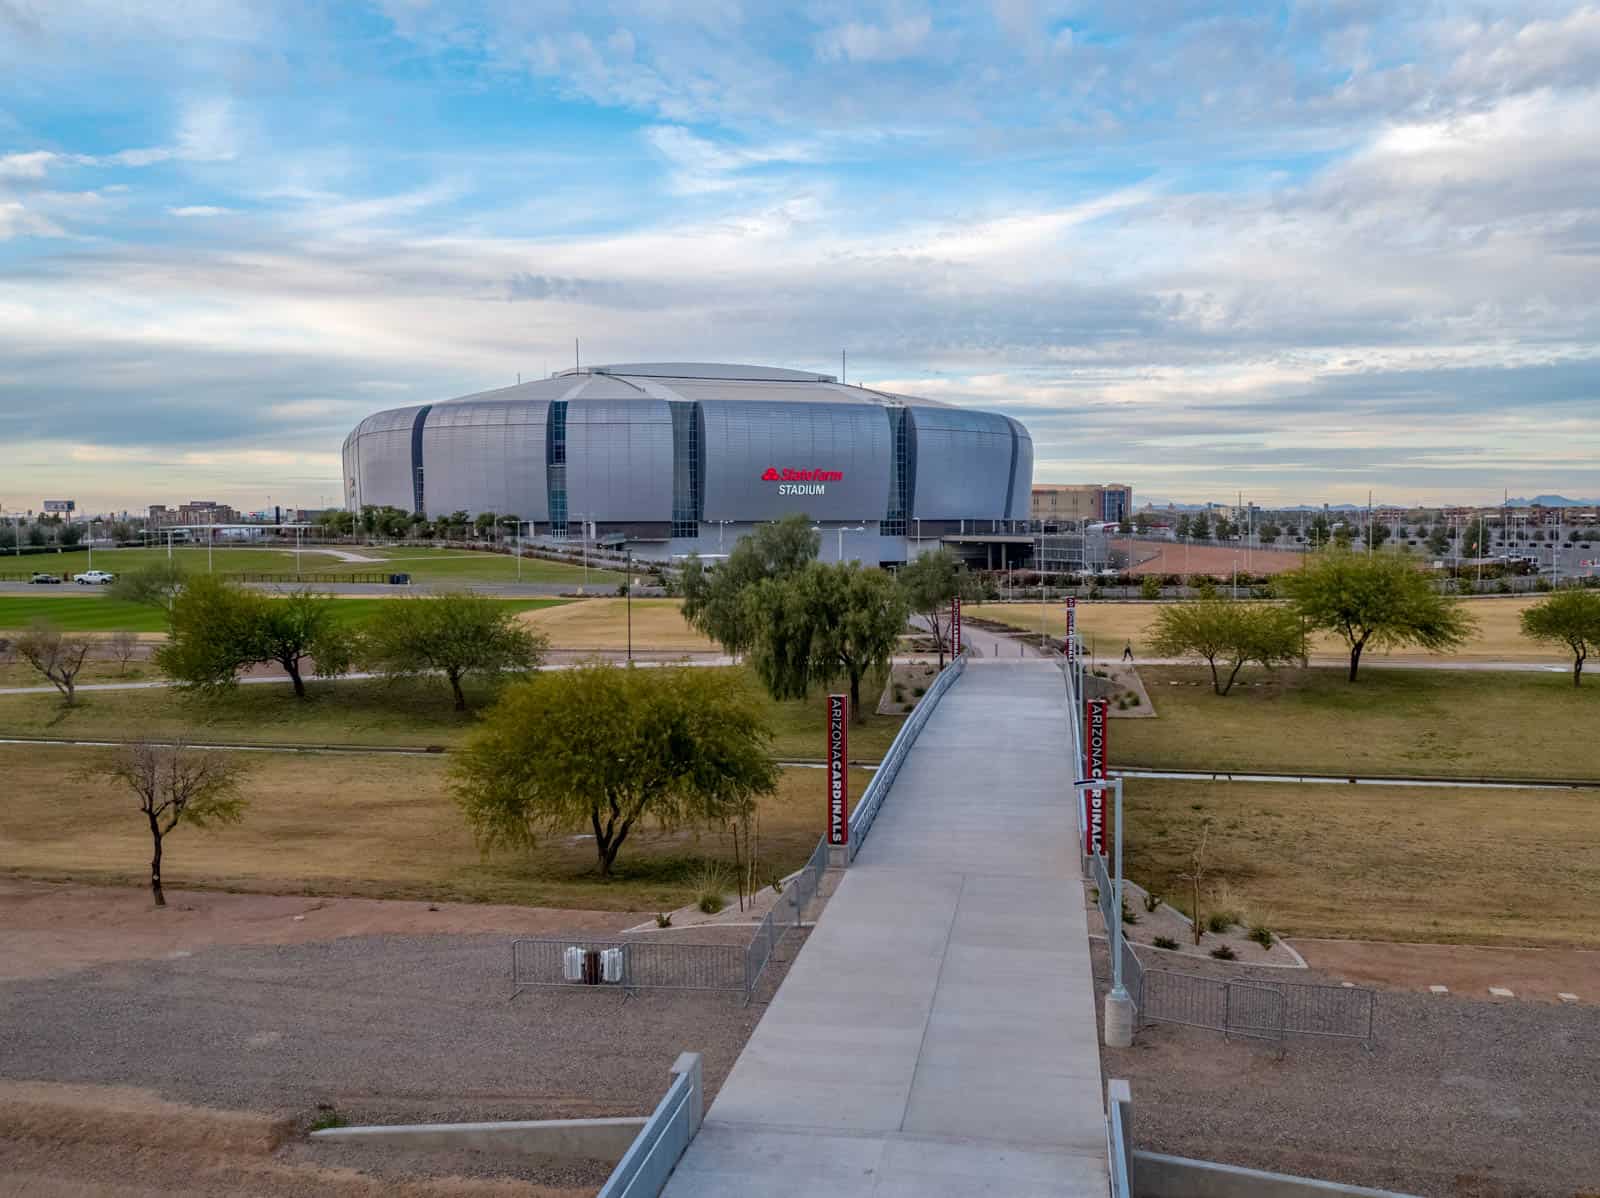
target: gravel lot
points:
(1458, 1099)
(384, 1028)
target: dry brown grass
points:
(603, 624)
(1152, 557)
(1106, 625)
(1383, 863)
(379, 826)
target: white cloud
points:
(856, 41)
(31, 165)
(18, 221)
(200, 210)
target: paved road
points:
(936, 1036)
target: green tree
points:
(1124, 526)
(485, 523)
(1378, 600)
(1150, 586)
(1143, 522)
(454, 635)
(216, 629)
(1181, 528)
(1375, 534)
(1228, 636)
(860, 615)
(176, 785)
(601, 748)
(930, 581)
(1226, 529)
(36, 535)
(1319, 531)
(1200, 527)
(1568, 617)
(1269, 533)
(1439, 540)
(713, 599)
(71, 534)
(155, 585)
(1475, 539)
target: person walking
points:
(1127, 651)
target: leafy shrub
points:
(1165, 942)
(663, 919)
(1224, 953)
(1262, 935)
(919, 691)
(1221, 921)
(1151, 900)
(1128, 914)
(710, 884)
(1133, 698)
(1150, 587)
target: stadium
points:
(676, 458)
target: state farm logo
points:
(801, 482)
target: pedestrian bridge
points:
(936, 1036)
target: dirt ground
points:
(48, 928)
(1532, 974)
(1152, 557)
(371, 1011)
(1457, 1098)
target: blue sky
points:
(1296, 250)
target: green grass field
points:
(98, 613)
(1375, 862)
(414, 713)
(1456, 723)
(370, 825)
(424, 565)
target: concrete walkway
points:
(936, 1036)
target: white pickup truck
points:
(94, 578)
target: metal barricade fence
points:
(1257, 1008)
(872, 798)
(644, 963)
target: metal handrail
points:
(644, 1168)
(866, 809)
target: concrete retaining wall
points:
(593, 1139)
(1158, 1176)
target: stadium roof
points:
(689, 381)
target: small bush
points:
(1262, 935)
(1133, 699)
(710, 884)
(919, 691)
(663, 919)
(326, 1117)
(1224, 953)
(1128, 914)
(1165, 942)
(899, 693)
(1151, 900)
(1220, 921)
(1150, 587)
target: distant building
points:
(196, 511)
(1079, 502)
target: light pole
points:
(517, 520)
(841, 530)
(1119, 1006)
(628, 583)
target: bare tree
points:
(1199, 864)
(176, 784)
(55, 655)
(124, 645)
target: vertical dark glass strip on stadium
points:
(894, 524)
(556, 466)
(685, 469)
(417, 505)
(1011, 472)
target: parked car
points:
(43, 578)
(94, 578)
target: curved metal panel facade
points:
(382, 459)
(486, 456)
(745, 442)
(963, 464)
(740, 451)
(619, 460)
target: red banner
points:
(1094, 766)
(1072, 629)
(955, 626)
(838, 769)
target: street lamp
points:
(1119, 1006)
(517, 520)
(841, 530)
